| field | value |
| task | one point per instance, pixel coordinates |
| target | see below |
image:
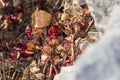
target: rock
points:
(41, 19)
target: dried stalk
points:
(72, 48)
(20, 36)
(0, 66)
(13, 76)
(44, 68)
(17, 76)
(24, 72)
(3, 67)
(57, 4)
(54, 67)
(90, 24)
(7, 45)
(50, 72)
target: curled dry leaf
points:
(67, 45)
(76, 29)
(29, 52)
(30, 46)
(60, 48)
(16, 3)
(19, 17)
(34, 69)
(94, 35)
(47, 50)
(57, 60)
(41, 19)
(83, 44)
(4, 24)
(37, 31)
(64, 16)
(39, 75)
(44, 58)
(29, 59)
(53, 40)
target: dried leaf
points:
(4, 24)
(2, 4)
(34, 69)
(30, 46)
(44, 57)
(53, 41)
(94, 35)
(39, 76)
(41, 19)
(60, 48)
(64, 16)
(47, 50)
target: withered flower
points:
(53, 40)
(54, 30)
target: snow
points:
(101, 61)
(100, 10)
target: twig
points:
(21, 35)
(50, 72)
(3, 67)
(72, 49)
(7, 45)
(24, 72)
(56, 71)
(57, 4)
(17, 76)
(8, 71)
(90, 24)
(13, 76)
(44, 69)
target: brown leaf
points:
(30, 46)
(41, 18)
(2, 4)
(47, 50)
(4, 24)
